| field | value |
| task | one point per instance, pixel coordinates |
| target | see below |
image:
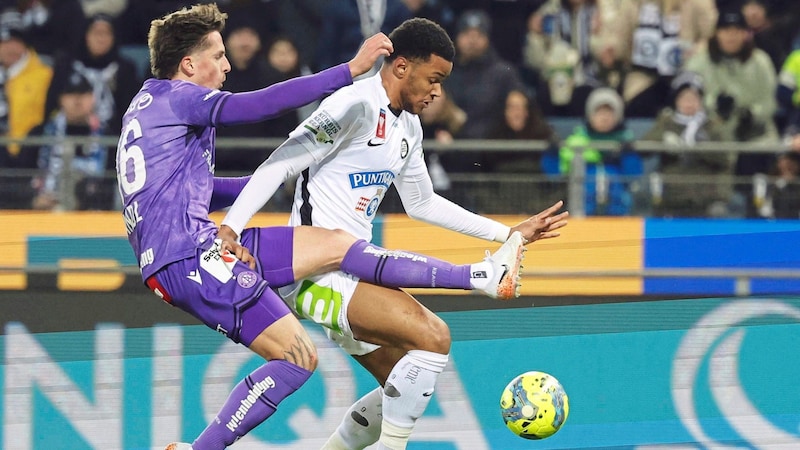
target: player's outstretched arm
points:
(544, 225)
(373, 48)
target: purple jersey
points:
(165, 157)
(165, 170)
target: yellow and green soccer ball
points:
(534, 405)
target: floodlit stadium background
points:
(666, 334)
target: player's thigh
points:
(393, 318)
(286, 339)
(227, 296)
(318, 250)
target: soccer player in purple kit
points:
(165, 171)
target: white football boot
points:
(506, 262)
(178, 446)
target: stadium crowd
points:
(691, 71)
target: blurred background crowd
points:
(589, 77)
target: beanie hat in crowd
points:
(686, 80)
(77, 84)
(606, 97)
(731, 18)
(474, 18)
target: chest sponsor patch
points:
(383, 178)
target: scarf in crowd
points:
(691, 126)
(102, 80)
(655, 41)
(579, 34)
(372, 13)
(88, 160)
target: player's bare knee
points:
(435, 337)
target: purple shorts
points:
(223, 292)
(272, 248)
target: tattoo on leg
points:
(300, 353)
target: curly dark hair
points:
(418, 39)
(181, 33)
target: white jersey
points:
(347, 155)
(360, 147)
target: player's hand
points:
(373, 48)
(230, 242)
(543, 225)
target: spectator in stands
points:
(739, 79)
(347, 23)
(697, 183)
(654, 37)
(438, 11)
(282, 62)
(75, 117)
(53, 26)
(112, 8)
(740, 84)
(137, 17)
(301, 22)
(442, 119)
(558, 51)
(522, 119)
(612, 176)
(480, 81)
(24, 80)
(788, 94)
(244, 51)
(784, 192)
(772, 32)
(112, 75)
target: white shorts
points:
(324, 299)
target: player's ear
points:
(187, 65)
(400, 67)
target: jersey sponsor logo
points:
(365, 179)
(380, 132)
(403, 148)
(246, 279)
(375, 142)
(324, 127)
(217, 263)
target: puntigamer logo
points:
(365, 179)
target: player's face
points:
(210, 63)
(424, 83)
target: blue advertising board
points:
(676, 374)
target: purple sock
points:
(251, 402)
(398, 268)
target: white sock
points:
(480, 274)
(361, 425)
(406, 394)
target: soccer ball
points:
(534, 405)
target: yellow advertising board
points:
(96, 241)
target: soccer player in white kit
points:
(360, 141)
